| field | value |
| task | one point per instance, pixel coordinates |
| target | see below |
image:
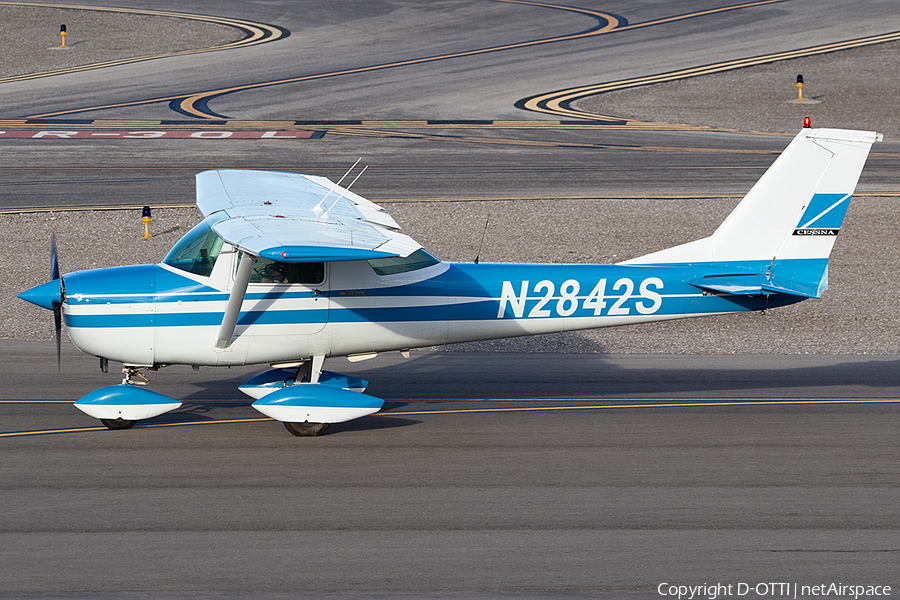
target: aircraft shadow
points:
(472, 376)
(212, 410)
(448, 375)
(429, 380)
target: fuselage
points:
(170, 313)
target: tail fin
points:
(788, 221)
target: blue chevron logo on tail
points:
(823, 215)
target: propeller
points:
(49, 295)
(57, 302)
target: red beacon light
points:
(807, 123)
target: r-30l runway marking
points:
(59, 134)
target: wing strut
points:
(235, 300)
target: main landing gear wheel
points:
(117, 423)
(306, 429)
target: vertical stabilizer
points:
(794, 211)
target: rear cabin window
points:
(198, 250)
(396, 264)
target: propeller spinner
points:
(49, 295)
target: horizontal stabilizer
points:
(755, 285)
(316, 403)
(125, 402)
(745, 285)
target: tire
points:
(306, 429)
(117, 423)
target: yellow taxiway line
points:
(256, 33)
(553, 102)
(663, 404)
(593, 404)
(188, 103)
(613, 24)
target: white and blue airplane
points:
(289, 269)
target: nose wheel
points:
(309, 370)
(306, 429)
(117, 423)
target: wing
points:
(291, 217)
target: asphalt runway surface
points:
(570, 474)
(489, 475)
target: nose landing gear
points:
(131, 373)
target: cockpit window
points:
(396, 264)
(269, 271)
(198, 250)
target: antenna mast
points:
(484, 231)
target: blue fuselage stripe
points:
(464, 292)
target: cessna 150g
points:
(288, 270)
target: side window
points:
(396, 264)
(269, 271)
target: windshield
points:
(197, 251)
